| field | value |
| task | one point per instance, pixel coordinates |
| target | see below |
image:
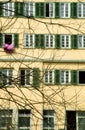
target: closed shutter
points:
(74, 10)
(39, 41)
(16, 40)
(57, 10)
(36, 77)
(74, 41)
(1, 40)
(57, 77)
(74, 77)
(19, 8)
(39, 10)
(57, 41)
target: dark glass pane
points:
(82, 77)
(24, 121)
(8, 39)
(22, 76)
(47, 10)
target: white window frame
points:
(51, 10)
(65, 10)
(7, 75)
(65, 41)
(81, 10)
(77, 118)
(8, 9)
(49, 41)
(81, 41)
(6, 116)
(65, 76)
(12, 38)
(24, 115)
(29, 40)
(49, 76)
(30, 77)
(29, 9)
(48, 117)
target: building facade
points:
(42, 65)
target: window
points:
(65, 77)
(81, 41)
(49, 41)
(65, 41)
(48, 119)
(6, 76)
(29, 40)
(49, 77)
(24, 119)
(81, 77)
(64, 10)
(26, 77)
(8, 38)
(5, 119)
(8, 9)
(49, 10)
(29, 9)
(81, 10)
(75, 120)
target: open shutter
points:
(57, 10)
(36, 77)
(16, 39)
(57, 41)
(10, 76)
(1, 9)
(1, 40)
(19, 9)
(39, 10)
(74, 77)
(57, 77)
(74, 41)
(42, 44)
(74, 10)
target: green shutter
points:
(57, 41)
(74, 77)
(19, 7)
(39, 41)
(42, 44)
(57, 77)
(16, 40)
(36, 77)
(57, 10)
(1, 9)
(74, 41)
(1, 40)
(39, 10)
(74, 10)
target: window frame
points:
(64, 78)
(25, 77)
(82, 41)
(81, 6)
(26, 116)
(64, 10)
(6, 77)
(28, 38)
(51, 10)
(49, 40)
(6, 116)
(49, 116)
(11, 39)
(8, 10)
(63, 41)
(29, 6)
(48, 76)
